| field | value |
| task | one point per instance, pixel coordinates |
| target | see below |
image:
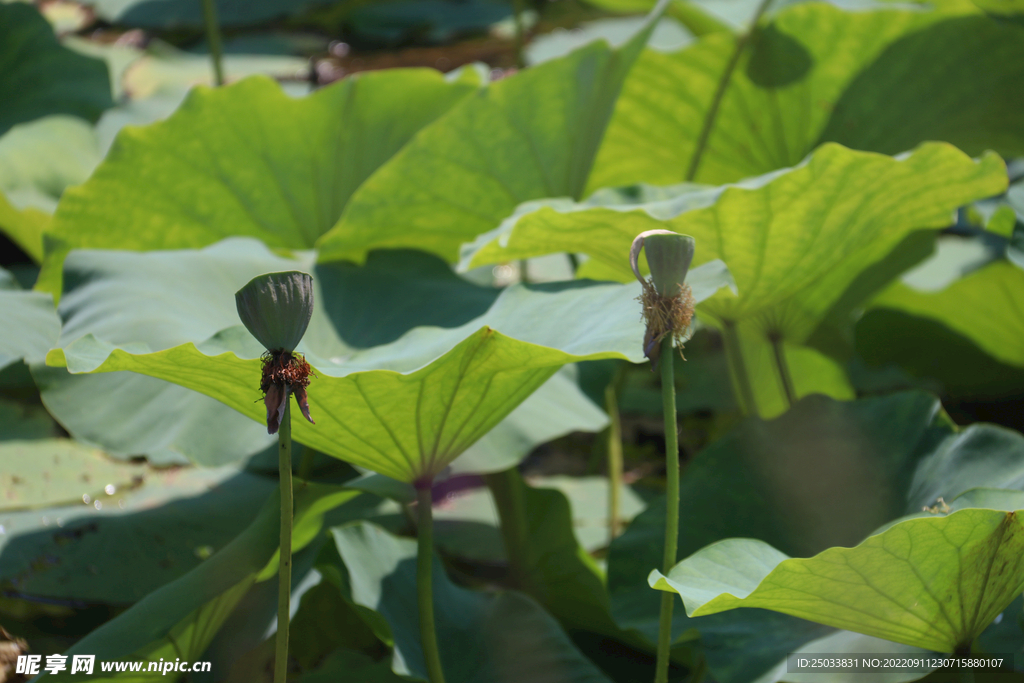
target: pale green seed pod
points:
(276, 308)
(669, 255)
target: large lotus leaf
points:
(40, 76)
(356, 307)
(557, 408)
(932, 583)
(21, 421)
(153, 527)
(247, 159)
(40, 158)
(24, 227)
(30, 328)
(986, 306)
(50, 472)
(779, 481)
(181, 618)
(353, 667)
(874, 459)
(794, 240)
(530, 136)
(817, 74)
(483, 636)
(405, 408)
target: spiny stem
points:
(738, 369)
(611, 406)
(213, 39)
(782, 366)
(284, 571)
(668, 403)
(507, 490)
(424, 583)
(723, 84)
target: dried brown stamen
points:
(664, 316)
(284, 373)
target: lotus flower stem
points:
(284, 590)
(611, 403)
(738, 369)
(213, 39)
(507, 490)
(723, 84)
(782, 366)
(424, 583)
(668, 402)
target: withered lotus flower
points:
(667, 300)
(276, 309)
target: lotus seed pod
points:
(669, 255)
(276, 308)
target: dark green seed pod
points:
(669, 255)
(276, 308)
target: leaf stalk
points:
(213, 39)
(615, 460)
(506, 489)
(782, 365)
(742, 388)
(425, 584)
(668, 402)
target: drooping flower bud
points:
(276, 309)
(667, 300)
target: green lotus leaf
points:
(24, 227)
(31, 326)
(794, 240)
(986, 306)
(112, 295)
(248, 160)
(767, 480)
(507, 144)
(405, 408)
(482, 636)
(42, 77)
(798, 243)
(934, 583)
(181, 618)
(818, 74)
(154, 526)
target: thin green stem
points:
(668, 403)
(284, 571)
(699, 671)
(738, 369)
(507, 490)
(723, 85)
(779, 351)
(213, 39)
(615, 462)
(518, 8)
(425, 585)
